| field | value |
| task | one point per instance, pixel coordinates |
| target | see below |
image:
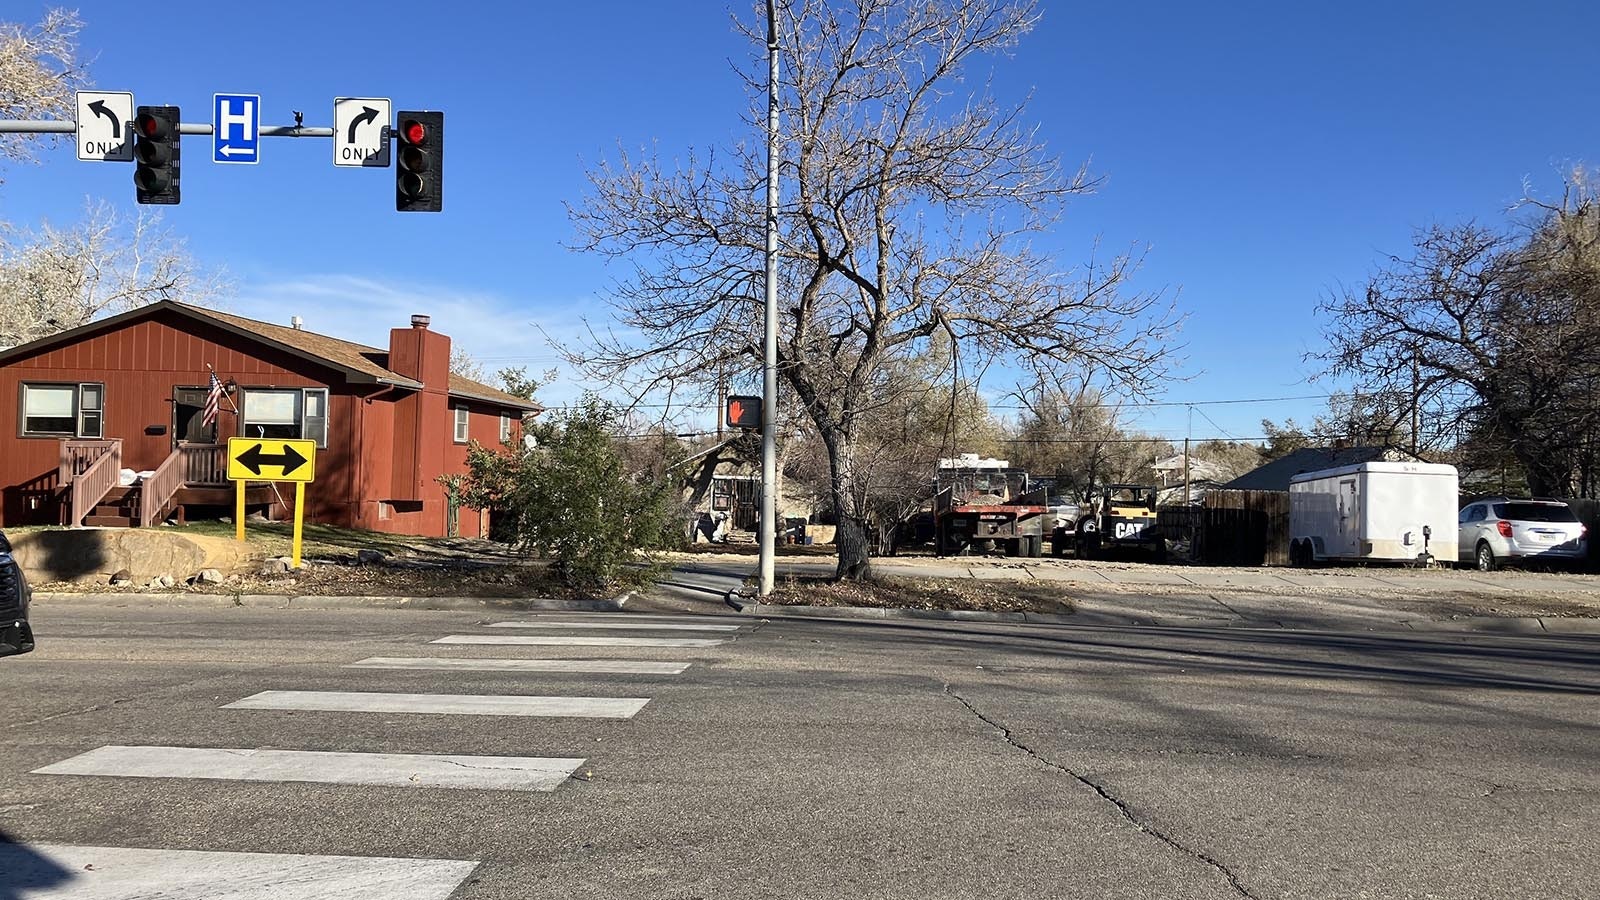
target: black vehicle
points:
(15, 634)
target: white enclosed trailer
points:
(1375, 512)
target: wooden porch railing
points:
(89, 470)
(156, 491)
(77, 456)
(204, 464)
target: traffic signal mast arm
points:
(53, 126)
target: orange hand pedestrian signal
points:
(744, 412)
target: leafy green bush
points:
(575, 501)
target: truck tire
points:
(1014, 547)
(1485, 557)
(1058, 545)
(1035, 545)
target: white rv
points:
(1375, 512)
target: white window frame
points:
(463, 423)
(306, 427)
(505, 427)
(82, 413)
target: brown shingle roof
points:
(351, 356)
(343, 354)
(477, 390)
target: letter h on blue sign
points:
(236, 127)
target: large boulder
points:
(93, 554)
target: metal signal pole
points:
(769, 385)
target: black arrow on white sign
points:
(368, 114)
(98, 107)
(253, 459)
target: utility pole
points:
(1185, 471)
(769, 382)
(722, 402)
(1416, 400)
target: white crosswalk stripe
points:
(528, 640)
(499, 773)
(36, 872)
(623, 626)
(39, 871)
(445, 704)
(471, 664)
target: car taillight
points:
(1504, 527)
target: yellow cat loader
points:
(1123, 521)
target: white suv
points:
(1500, 530)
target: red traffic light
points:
(419, 175)
(153, 127)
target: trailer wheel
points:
(1485, 558)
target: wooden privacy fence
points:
(1231, 528)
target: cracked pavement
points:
(824, 759)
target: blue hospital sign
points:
(236, 128)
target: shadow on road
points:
(1568, 665)
(23, 870)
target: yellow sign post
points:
(261, 459)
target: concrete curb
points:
(1503, 625)
(287, 601)
(1566, 625)
(753, 608)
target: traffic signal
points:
(155, 154)
(419, 172)
(744, 413)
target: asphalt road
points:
(796, 759)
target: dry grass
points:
(923, 593)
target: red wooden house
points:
(129, 392)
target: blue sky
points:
(1266, 152)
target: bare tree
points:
(465, 364)
(911, 201)
(39, 71)
(1501, 325)
(1078, 436)
(54, 279)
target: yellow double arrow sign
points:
(259, 459)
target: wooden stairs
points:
(118, 509)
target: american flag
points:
(213, 402)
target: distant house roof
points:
(1275, 475)
(1199, 469)
(359, 362)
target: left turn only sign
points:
(262, 459)
(105, 124)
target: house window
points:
(91, 410)
(462, 420)
(63, 410)
(505, 427)
(314, 418)
(286, 414)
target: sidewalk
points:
(1113, 593)
(1139, 576)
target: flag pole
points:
(239, 417)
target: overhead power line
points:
(1146, 404)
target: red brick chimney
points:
(422, 420)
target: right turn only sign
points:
(361, 131)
